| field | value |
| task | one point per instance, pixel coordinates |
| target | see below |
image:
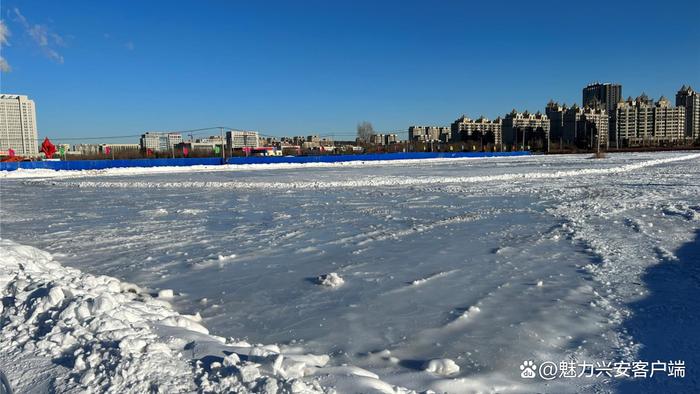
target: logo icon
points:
(528, 368)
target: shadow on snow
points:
(667, 322)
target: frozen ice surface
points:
(455, 271)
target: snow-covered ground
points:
(441, 275)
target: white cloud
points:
(39, 34)
(4, 41)
(4, 66)
(42, 36)
(129, 45)
(4, 34)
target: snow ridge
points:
(384, 180)
(47, 173)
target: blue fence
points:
(102, 164)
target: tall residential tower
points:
(690, 100)
(18, 125)
(606, 95)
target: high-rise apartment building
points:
(18, 125)
(606, 95)
(669, 122)
(429, 134)
(641, 121)
(525, 129)
(690, 100)
(591, 128)
(464, 129)
(555, 113)
(578, 126)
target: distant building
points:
(526, 129)
(377, 139)
(464, 129)
(669, 121)
(641, 121)
(606, 95)
(555, 113)
(429, 134)
(212, 139)
(159, 141)
(116, 148)
(198, 146)
(690, 100)
(86, 149)
(591, 129)
(18, 125)
(96, 149)
(582, 126)
(242, 139)
(270, 141)
(390, 139)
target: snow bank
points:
(47, 173)
(380, 181)
(97, 334)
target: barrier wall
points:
(102, 164)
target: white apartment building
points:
(464, 128)
(642, 121)
(518, 126)
(18, 125)
(159, 141)
(242, 139)
(429, 133)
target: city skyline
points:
(597, 98)
(353, 68)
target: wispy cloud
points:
(4, 34)
(129, 45)
(4, 41)
(45, 38)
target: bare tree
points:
(365, 131)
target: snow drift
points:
(97, 334)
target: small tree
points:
(365, 131)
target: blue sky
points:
(106, 68)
